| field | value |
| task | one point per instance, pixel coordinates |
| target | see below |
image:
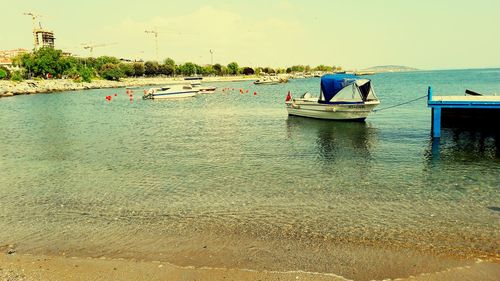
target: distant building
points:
(7, 56)
(43, 38)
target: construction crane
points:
(155, 32)
(91, 47)
(33, 17)
(42, 37)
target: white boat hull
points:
(340, 111)
(178, 95)
(207, 90)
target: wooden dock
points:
(479, 111)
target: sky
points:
(354, 34)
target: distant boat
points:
(171, 92)
(195, 81)
(342, 97)
(363, 73)
(196, 84)
(271, 80)
(206, 90)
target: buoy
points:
(254, 93)
(116, 94)
(247, 91)
(145, 92)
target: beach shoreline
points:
(39, 86)
(27, 267)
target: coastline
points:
(26, 267)
(28, 87)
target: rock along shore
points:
(27, 87)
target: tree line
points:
(53, 63)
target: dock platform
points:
(476, 111)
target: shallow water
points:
(234, 174)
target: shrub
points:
(127, 69)
(86, 74)
(16, 76)
(111, 71)
(151, 68)
(4, 73)
(248, 71)
(138, 69)
(233, 68)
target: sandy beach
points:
(18, 267)
(10, 88)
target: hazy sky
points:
(427, 34)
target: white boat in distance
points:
(171, 92)
(206, 90)
(270, 80)
(196, 84)
(342, 97)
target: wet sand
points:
(18, 267)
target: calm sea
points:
(230, 180)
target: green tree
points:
(322, 67)
(100, 61)
(127, 69)
(138, 69)
(111, 71)
(298, 68)
(268, 70)
(233, 68)
(16, 75)
(170, 64)
(258, 70)
(247, 71)
(151, 68)
(187, 69)
(4, 73)
(166, 69)
(217, 69)
(87, 73)
(208, 70)
(200, 70)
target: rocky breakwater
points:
(27, 87)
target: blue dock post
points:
(436, 116)
(436, 122)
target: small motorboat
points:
(342, 97)
(271, 80)
(194, 81)
(171, 92)
(206, 90)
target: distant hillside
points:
(390, 68)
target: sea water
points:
(230, 180)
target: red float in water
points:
(254, 93)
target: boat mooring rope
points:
(400, 104)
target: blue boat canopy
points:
(331, 84)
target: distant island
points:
(390, 68)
